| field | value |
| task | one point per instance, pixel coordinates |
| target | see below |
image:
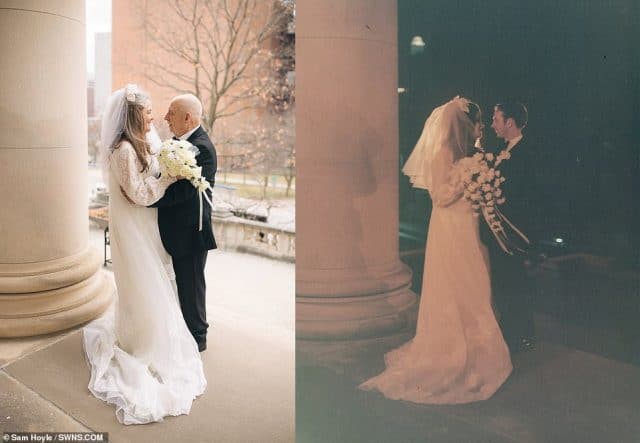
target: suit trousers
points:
(192, 291)
(512, 289)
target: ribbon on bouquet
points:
(499, 232)
(206, 197)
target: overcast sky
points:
(98, 20)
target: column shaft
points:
(49, 277)
(350, 282)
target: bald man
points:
(178, 213)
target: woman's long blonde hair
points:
(133, 130)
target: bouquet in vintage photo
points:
(481, 181)
(177, 158)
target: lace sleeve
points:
(445, 190)
(154, 166)
(140, 189)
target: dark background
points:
(575, 65)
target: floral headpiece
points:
(130, 92)
(461, 102)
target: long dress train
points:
(143, 359)
(458, 354)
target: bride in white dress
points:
(143, 359)
(458, 354)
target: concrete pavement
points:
(580, 384)
(249, 365)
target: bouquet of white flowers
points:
(177, 158)
(481, 182)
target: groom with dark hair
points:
(510, 283)
(178, 218)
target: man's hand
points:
(124, 194)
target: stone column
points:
(50, 279)
(350, 282)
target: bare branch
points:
(212, 47)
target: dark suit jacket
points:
(179, 208)
(524, 205)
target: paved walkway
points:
(249, 365)
(555, 395)
(581, 383)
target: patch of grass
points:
(255, 192)
(249, 185)
(232, 178)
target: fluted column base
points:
(388, 308)
(53, 296)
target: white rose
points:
(186, 171)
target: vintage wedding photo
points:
(147, 231)
(468, 226)
(320, 221)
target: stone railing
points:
(238, 234)
(232, 234)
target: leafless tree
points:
(290, 167)
(274, 138)
(210, 48)
(273, 149)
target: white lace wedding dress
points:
(458, 354)
(143, 358)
